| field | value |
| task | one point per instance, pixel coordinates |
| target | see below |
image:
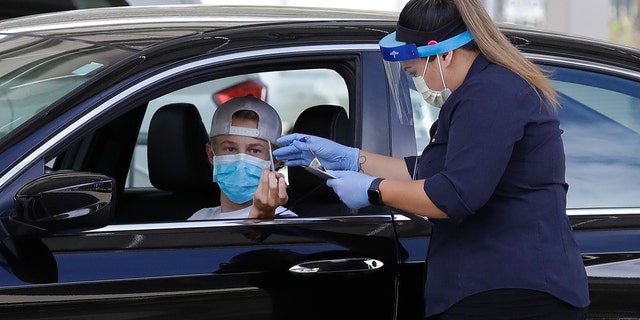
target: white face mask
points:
(432, 97)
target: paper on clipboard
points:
(316, 167)
(320, 173)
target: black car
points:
(103, 120)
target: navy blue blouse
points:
(495, 164)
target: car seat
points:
(178, 166)
(308, 194)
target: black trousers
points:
(512, 304)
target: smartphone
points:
(320, 173)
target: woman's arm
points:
(409, 196)
(383, 166)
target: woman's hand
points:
(334, 156)
(351, 187)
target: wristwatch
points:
(375, 198)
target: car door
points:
(311, 268)
(600, 116)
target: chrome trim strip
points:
(603, 212)
(570, 212)
(137, 20)
(227, 223)
(402, 217)
(31, 158)
(41, 298)
(593, 66)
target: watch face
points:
(373, 192)
(374, 197)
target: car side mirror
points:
(62, 200)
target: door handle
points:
(336, 265)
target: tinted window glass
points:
(600, 115)
(35, 71)
(289, 92)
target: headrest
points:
(327, 121)
(176, 152)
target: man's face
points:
(232, 144)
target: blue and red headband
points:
(404, 43)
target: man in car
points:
(242, 136)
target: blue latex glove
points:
(351, 187)
(332, 155)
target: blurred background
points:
(617, 21)
(612, 20)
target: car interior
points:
(178, 169)
(156, 153)
(308, 192)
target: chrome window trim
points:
(198, 224)
(588, 66)
(150, 20)
(192, 225)
(603, 212)
(30, 159)
(581, 212)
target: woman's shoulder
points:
(495, 81)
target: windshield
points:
(37, 71)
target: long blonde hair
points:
(497, 48)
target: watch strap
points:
(373, 192)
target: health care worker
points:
(491, 180)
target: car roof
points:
(140, 27)
(202, 16)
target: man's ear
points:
(209, 150)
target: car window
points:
(289, 92)
(600, 116)
(43, 75)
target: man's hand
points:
(271, 193)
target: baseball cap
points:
(269, 124)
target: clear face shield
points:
(407, 100)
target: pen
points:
(273, 167)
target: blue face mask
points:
(238, 175)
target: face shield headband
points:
(394, 50)
(404, 97)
